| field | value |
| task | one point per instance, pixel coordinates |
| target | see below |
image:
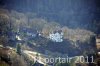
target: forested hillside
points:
(33, 29)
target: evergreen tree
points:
(19, 49)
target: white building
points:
(56, 37)
(18, 38)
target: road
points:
(32, 55)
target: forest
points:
(33, 30)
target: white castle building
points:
(56, 37)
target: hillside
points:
(36, 34)
(27, 28)
(9, 57)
